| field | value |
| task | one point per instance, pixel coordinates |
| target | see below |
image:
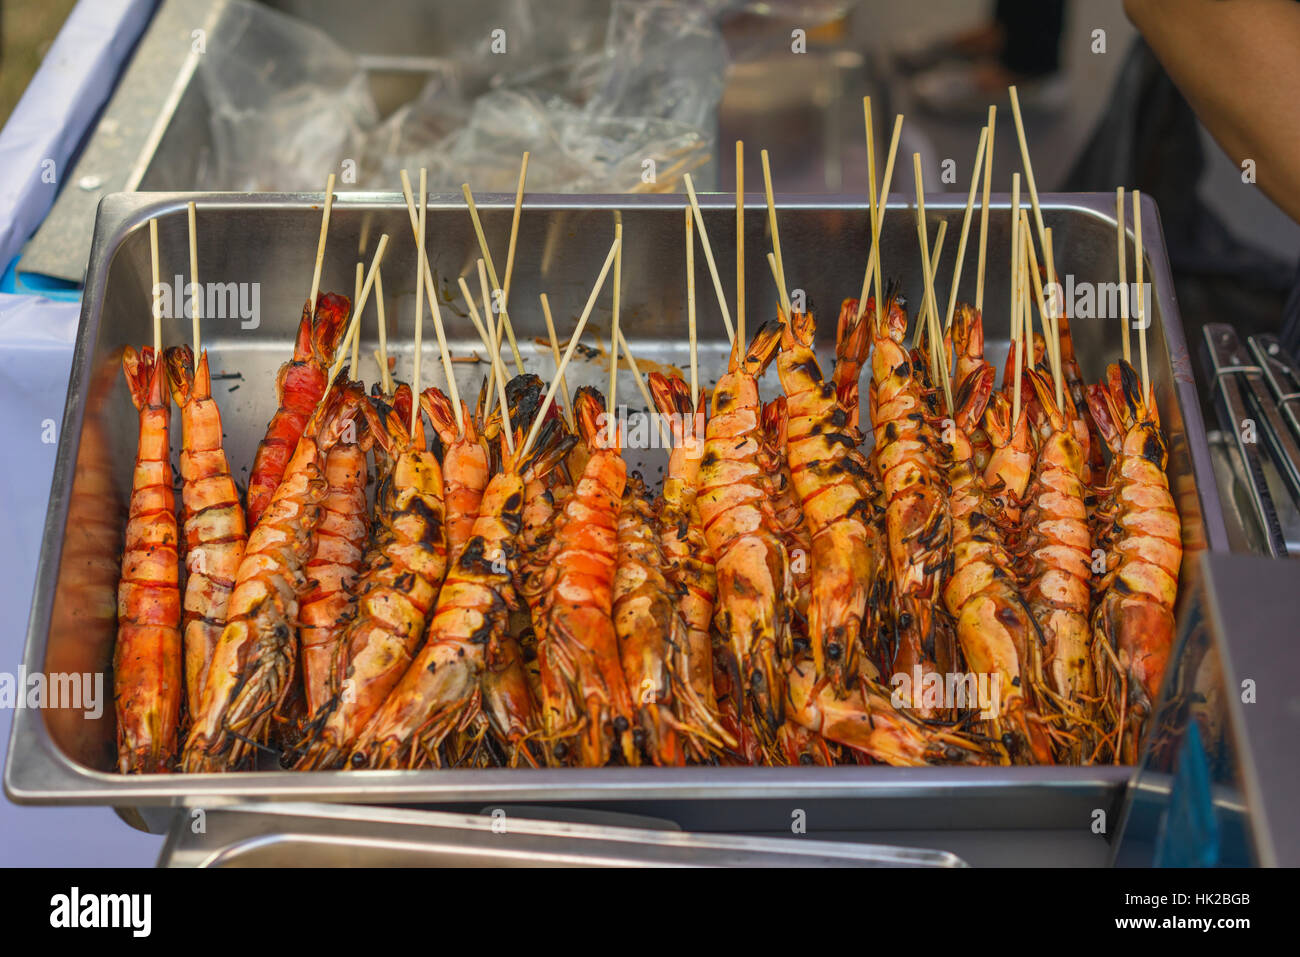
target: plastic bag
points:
(629, 114)
(286, 102)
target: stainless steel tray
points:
(269, 239)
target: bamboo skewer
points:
(354, 324)
(510, 268)
(782, 289)
(740, 238)
(155, 290)
(708, 257)
(936, 251)
(489, 341)
(610, 407)
(878, 224)
(385, 376)
(1029, 167)
(356, 343)
(494, 352)
(492, 274)
(196, 301)
(690, 308)
(567, 408)
(1121, 248)
(432, 292)
(420, 255)
(873, 205)
(1017, 338)
(965, 228)
(320, 243)
(936, 337)
(1049, 326)
(644, 389)
(984, 210)
(1138, 267)
(573, 345)
(1054, 307)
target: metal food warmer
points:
(934, 815)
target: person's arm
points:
(1238, 64)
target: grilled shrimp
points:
(147, 688)
(755, 588)
(996, 631)
(1056, 549)
(584, 693)
(1134, 618)
(299, 386)
(852, 344)
(865, 720)
(688, 562)
(253, 665)
(464, 469)
(213, 519)
(338, 552)
(789, 522)
(1011, 461)
(652, 642)
(403, 572)
(918, 524)
(440, 691)
(509, 701)
(831, 480)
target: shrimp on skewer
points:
(584, 693)
(213, 519)
(1133, 624)
(440, 691)
(996, 630)
(653, 643)
(789, 524)
(299, 386)
(254, 662)
(464, 469)
(918, 523)
(755, 588)
(1057, 550)
(147, 689)
(852, 345)
(831, 480)
(338, 553)
(403, 572)
(688, 561)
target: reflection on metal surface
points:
(315, 835)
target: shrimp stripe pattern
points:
(213, 518)
(147, 690)
(299, 386)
